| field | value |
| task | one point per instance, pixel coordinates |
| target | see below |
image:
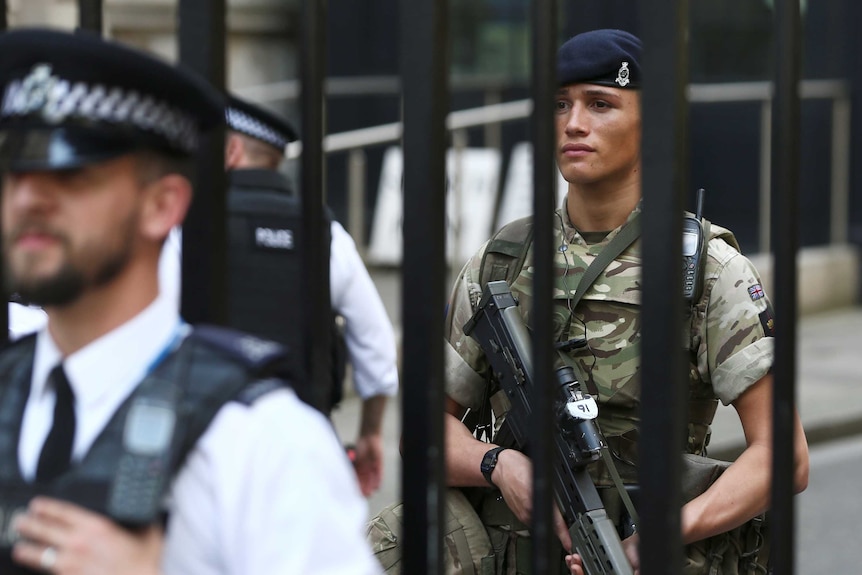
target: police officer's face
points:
(66, 231)
(598, 134)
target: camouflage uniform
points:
(729, 336)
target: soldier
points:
(598, 123)
(265, 232)
(117, 418)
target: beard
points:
(94, 266)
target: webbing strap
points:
(618, 484)
(624, 238)
(462, 547)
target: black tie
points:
(57, 450)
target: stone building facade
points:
(261, 39)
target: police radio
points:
(144, 467)
(692, 247)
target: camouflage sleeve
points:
(736, 343)
(466, 365)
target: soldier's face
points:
(598, 133)
(67, 231)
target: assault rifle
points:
(500, 331)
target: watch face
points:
(489, 462)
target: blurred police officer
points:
(598, 151)
(265, 233)
(118, 418)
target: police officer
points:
(265, 283)
(117, 418)
(598, 151)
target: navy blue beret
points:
(605, 57)
(252, 120)
(70, 99)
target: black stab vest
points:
(127, 482)
(265, 239)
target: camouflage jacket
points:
(730, 335)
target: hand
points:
(630, 547)
(368, 463)
(513, 476)
(573, 562)
(65, 539)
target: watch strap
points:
(489, 463)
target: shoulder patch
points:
(257, 389)
(756, 292)
(250, 350)
(767, 320)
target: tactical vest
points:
(123, 475)
(265, 236)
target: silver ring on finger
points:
(48, 558)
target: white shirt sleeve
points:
(368, 331)
(267, 490)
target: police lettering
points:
(273, 238)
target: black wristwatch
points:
(489, 462)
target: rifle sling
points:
(624, 238)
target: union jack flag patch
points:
(756, 292)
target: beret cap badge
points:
(623, 75)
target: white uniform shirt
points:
(267, 488)
(25, 319)
(368, 331)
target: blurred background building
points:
(730, 69)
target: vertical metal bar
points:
(202, 48)
(785, 241)
(853, 11)
(764, 228)
(545, 43)
(664, 385)
(90, 15)
(840, 171)
(315, 255)
(4, 309)
(425, 82)
(356, 168)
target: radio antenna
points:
(700, 194)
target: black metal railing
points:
(204, 292)
(4, 312)
(663, 378)
(785, 244)
(542, 134)
(425, 92)
(315, 255)
(90, 15)
(424, 72)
